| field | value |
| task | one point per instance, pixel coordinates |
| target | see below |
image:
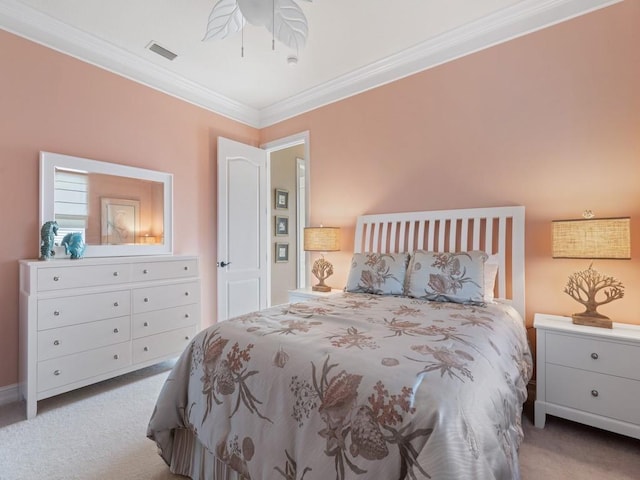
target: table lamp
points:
(321, 239)
(592, 238)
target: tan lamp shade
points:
(322, 239)
(602, 238)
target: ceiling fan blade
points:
(291, 26)
(225, 19)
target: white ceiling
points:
(353, 45)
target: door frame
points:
(281, 144)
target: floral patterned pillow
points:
(447, 277)
(378, 273)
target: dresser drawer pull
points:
(186, 315)
(56, 372)
(56, 278)
(146, 299)
(186, 268)
(56, 342)
(115, 330)
(186, 294)
(594, 355)
(116, 356)
(145, 271)
(115, 274)
(146, 349)
(594, 393)
(56, 313)
(146, 324)
(116, 304)
(186, 337)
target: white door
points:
(242, 229)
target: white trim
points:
(9, 394)
(520, 19)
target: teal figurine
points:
(73, 244)
(47, 235)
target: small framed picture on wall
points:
(282, 252)
(282, 225)
(282, 199)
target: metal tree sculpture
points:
(588, 283)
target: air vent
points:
(163, 52)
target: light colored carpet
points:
(99, 433)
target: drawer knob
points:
(186, 268)
(56, 342)
(56, 278)
(115, 274)
(186, 315)
(56, 313)
(146, 349)
(186, 294)
(594, 355)
(116, 356)
(146, 324)
(146, 299)
(56, 372)
(186, 337)
(115, 330)
(594, 393)
(116, 304)
(145, 271)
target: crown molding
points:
(520, 19)
(29, 23)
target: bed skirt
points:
(192, 459)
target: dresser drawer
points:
(594, 354)
(64, 311)
(79, 276)
(596, 393)
(80, 366)
(165, 296)
(162, 344)
(165, 270)
(150, 323)
(57, 342)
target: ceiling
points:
(352, 46)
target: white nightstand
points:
(587, 374)
(304, 294)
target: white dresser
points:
(83, 321)
(587, 374)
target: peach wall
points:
(550, 121)
(53, 102)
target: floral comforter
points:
(355, 387)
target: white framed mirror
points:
(120, 210)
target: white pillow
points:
(378, 273)
(490, 273)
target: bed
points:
(418, 370)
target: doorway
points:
(288, 179)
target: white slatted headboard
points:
(498, 230)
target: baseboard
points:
(9, 394)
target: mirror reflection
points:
(108, 209)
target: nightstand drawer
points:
(595, 393)
(594, 355)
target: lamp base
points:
(601, 322)
(321, 288)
